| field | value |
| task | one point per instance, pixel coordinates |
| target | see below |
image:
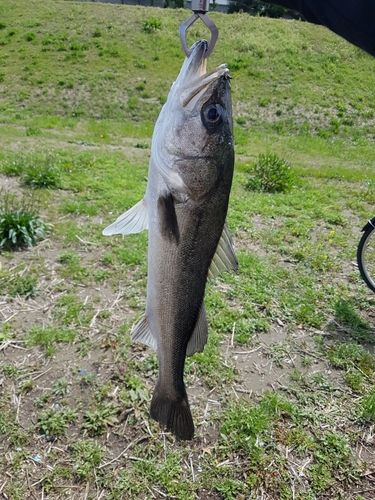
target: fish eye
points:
(212, 115)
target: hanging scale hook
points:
(199, 8)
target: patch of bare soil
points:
(60, 140)
(275, 355)
(10, 185)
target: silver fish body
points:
(184, 209)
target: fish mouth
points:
(194, 79)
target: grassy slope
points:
(82, 84)
(58, 59)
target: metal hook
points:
(210, 25)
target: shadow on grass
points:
(350, 323)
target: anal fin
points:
(142, 333)
(133, 221)
(224, 259)
(199, 336)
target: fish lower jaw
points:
(191, 91)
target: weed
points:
(350, 355)
(10, 371)
(42, 176)
(108, 259)
(70, 311)
(26, 387)
(351, 321)
(24, 285)
(53, 422)
(61, 387)
(270, 174)
(16, 489)
(152, 24)
(30, 36)
(39, 402)
(19, 225)
(87, 455)
(354, 379)
(367, 409)
(334, 453)
(87, 379)
(97, 33)
(243, 423)
(368, 191)
(59, 472)
(96, 421)
(132, 103)
(151, 365)
(241, 120)
(77, 207)
(6, 330)
(237, 64)
(37, 170)
(134, 392)
(230, 489)
(69, 257)
(47, 336)
(13, 168)
(100, 276)
(31, 131)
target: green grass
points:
(283, 394)
(20, 225)
(270, 174)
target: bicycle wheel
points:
(366, 254)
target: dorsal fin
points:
(224, 259)
(134, 220)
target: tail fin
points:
(174, 415)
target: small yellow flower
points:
(330, 241)
(319, 245)
(324, 256)
(332, 232)
(101, 135)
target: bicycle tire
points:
(366, 254)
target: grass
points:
(283, 394)
(270, 174)
(20, 226)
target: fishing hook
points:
(199, 8)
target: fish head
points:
(193, 138)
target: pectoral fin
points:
(142, 333)
(224, 259)
(134, 220)
(199, 336)
(171, 177)
(168, 218)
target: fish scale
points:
(184, 209)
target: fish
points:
(184, 209)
